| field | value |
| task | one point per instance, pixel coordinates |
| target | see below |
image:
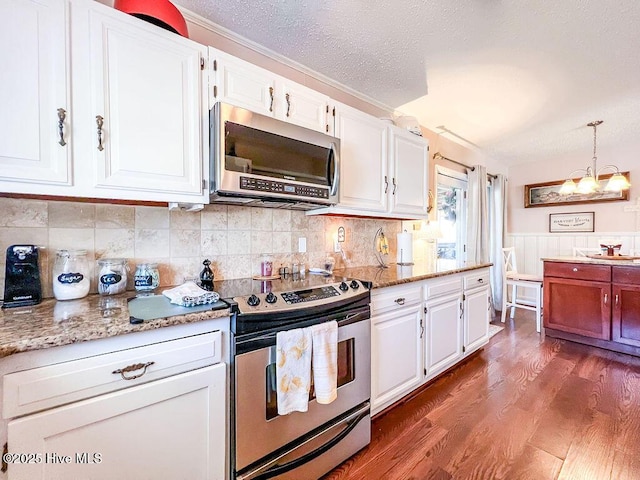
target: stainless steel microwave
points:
(259, 160)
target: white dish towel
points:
(293, 370)
(325, 361)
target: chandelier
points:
(589, 182)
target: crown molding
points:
(213, 27)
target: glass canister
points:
(146, 277)
(70, 275)
(112, 275)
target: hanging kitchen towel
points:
(293, 370)
(325, 361)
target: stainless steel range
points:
(299, 445)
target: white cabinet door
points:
(443, 346)
(476, 319)
(33, 35)
(303, 106)
(396, 355)
(243, 84)
(139, 107)
(410, 163)
(364, 180)
(171, 428)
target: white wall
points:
(528, 228)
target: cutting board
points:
(158, 306)
(613, 257)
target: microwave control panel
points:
(275, 186)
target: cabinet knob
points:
(400, 301)
(575, 269)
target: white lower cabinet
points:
(145, 411)
(443, 342)
(396, 345)
(421, 329)
(476, 311)
(171, 428)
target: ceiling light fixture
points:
(589, 182)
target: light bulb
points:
(587, 184)
(617, 183)
(568, 187)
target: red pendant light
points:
(159, 12)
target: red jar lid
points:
(159, 12)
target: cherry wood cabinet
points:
(597, 304)
(577, 299)
(625, 325)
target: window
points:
(452, 212)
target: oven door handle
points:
(306, 458)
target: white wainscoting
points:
(531, 247)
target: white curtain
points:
(497, 223)
(478, 220)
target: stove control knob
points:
(354, 284)
(253, 301)
(344, 287)
(271, 298)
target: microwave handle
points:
(335, 159)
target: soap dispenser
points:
(206, 276)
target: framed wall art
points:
(547, 194)
(572, 222)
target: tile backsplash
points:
(232, 237)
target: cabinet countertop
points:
(55, 323)
(398, 274)
(594, 261)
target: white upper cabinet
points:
(138, 125)
(139, 106)
(35, 91)
(409, 161)
(245, 85)
(383, 169)
(364, 180)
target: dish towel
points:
(325, 361)
(189, 295)
(293, 370)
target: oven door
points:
(260, 430)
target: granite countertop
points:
(55, 323)
(398, 274)
(596, 261)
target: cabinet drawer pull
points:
(133, 368)
(271, 95)
(288, 103)
(100, 123)
(575, 269)
(617, 300)
(62, 114)
(606, 298)
(386, 184)
(394, 185)
(399, 301)
(481, 280)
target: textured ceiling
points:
(518, 79)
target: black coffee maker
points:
(22, 277)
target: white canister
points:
(112, 276)
(70, 275)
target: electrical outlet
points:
(302, 245)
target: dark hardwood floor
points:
(525, 407)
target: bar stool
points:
(511, 278)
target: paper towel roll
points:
(405, 248)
